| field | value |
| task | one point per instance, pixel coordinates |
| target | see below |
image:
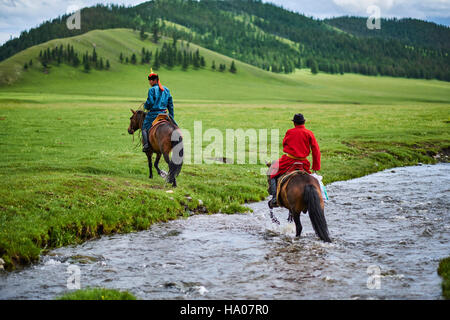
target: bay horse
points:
(300, 192)
(164, 137)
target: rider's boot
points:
(145, 146)
(273, 192)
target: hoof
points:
(163, 174)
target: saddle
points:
(285, 179)
(160, 119)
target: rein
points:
(140, 123)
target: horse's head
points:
(136, 121)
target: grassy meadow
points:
(71, 172)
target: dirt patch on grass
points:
(443, 155)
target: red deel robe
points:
(297, 142)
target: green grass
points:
(70, 171)
(444, 272)
(97, 294)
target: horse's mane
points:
(141, 114)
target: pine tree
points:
(213, 65)
(157, 63)
(133, 59)
(87, 67)
(314, 67)
(275, 68)
(143, 35)
(75, 61)
(121, 57)
(107, 65)
(155, 30)
(179, 58)
(94, 56)
(233, 67)
(185, 61)
(196, 61)
(71, 52)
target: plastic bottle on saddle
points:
(322, 186)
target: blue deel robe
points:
(157, 102)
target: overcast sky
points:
(20, 15)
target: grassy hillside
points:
(270, 37)
(250, 84)
(71, 172)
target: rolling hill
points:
(128, 82)
(271, 38)
(408, 30)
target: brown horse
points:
(300, 192)
(164, 137)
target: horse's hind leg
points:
(149, 158)
(170, 177)
(298, 224)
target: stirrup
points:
(273, 203)
(145, 145)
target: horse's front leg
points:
(149, 158)
(162, 173)
(298, 224)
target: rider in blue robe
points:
(159, 101)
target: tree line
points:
(170, 56)
(61, 54)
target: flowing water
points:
(389, 231)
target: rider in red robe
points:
(297, 144)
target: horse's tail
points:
(176, 162)
(316, 214)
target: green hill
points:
(271, 38)
(250, 84)
(410, 31)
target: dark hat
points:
(298, 118)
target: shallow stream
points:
(389, 231)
